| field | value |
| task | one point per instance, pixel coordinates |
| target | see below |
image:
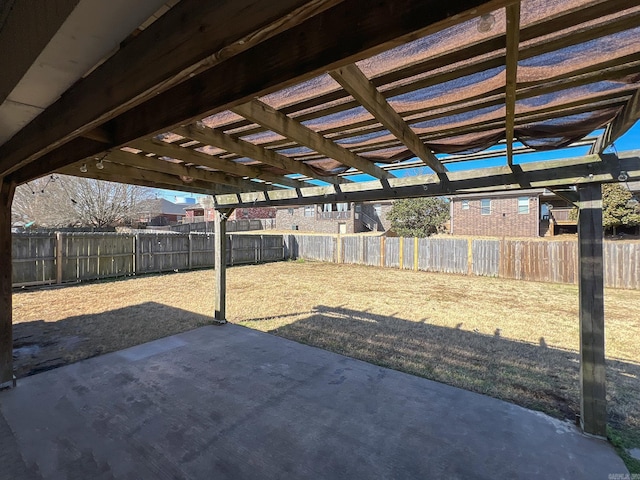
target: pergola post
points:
(220, 263)
(593, 405)
(6, 327)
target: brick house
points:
(200, 213)
(335, 217)
(526, 213)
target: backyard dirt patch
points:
(509, 339)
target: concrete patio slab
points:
(231, 403)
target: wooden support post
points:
(415, 253)
(470, 256)
(190, 259)
(6, 326)
(59, 242)
(383, 250)
(593, 405)
(220, 263)
(401, 254)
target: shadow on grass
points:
(39, 345)
(535, 376)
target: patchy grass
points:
(510, 339)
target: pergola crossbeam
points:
(351, 78)
(278, 122)
(190, 155)
(216, 138)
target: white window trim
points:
(527, 204)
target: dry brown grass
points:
(509, 339)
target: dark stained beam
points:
(189, 155)
(155, 164)
(593, 400)
(358, 85)
(147, 178)
(185, 40)
(544, 174)
(7, 190)
(25, 30)
(513, 42)
(272, 119)
(323, 42)
(216, 138)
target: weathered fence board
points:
(90, 256)
(71, 257)
(443, 255)
(34, 259)
(485, 257)
(392, 252)
(46, 258)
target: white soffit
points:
(93, 31)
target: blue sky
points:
(629, 141)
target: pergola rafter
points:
(272, 119)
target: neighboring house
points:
(160, 212)
(336, 217)
(200, 213)
(526, 213)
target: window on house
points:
(343, 207)
(485, 206)
(290, 210)
(309, 211)
(523, 204)
(465, 204)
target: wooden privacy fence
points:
(69, 257)
(535, 260)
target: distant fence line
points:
(70, 257)
(547, 261)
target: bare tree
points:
(62, 201)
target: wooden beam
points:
(593, 402)
(621, 125)
(481, 55)
(188, 38)
(216, 138)
(190, 155)
(513, 42)
(359, 86)
(7, 190)
(119, 157)
(220, 264)
(323, 42)
(272, 119)
(137, 176)
(544, 174)
(25, 30)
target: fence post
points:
(415, 253)
(339, 249)
(138, 263)
(361, 259)
(470, 255)
(401, 253)
(190, 242)
(382, 250)
(59, 257)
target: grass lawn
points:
(509, 339)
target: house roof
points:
(162, 206)
(333, 119)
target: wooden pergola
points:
(319, 101)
